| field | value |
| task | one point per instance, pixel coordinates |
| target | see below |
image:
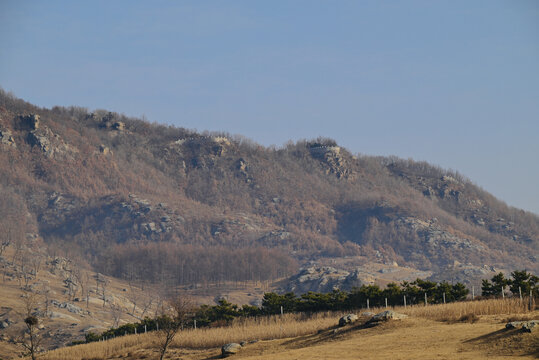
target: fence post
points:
(444, 297)
(531, 300)
(386, 303)
(368, 304)
(473, 292)
(195, 324)
(503, 294)
(135, 331)
(281, 323)
(425, 299)
(405, 301)
(520, 294)
(145, 328)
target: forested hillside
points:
(152, 202)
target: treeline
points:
(521, 283)
(410, 292)
(225, 312)
(174, 264)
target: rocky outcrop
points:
(29, 122)
(6, 138)
(230, 349)
(457, 195)
(275, 238)
(200, 152)
(437, 237)
(467, 274)
(530, 326)
(326, 279)
(243, 170)
(108, 121)
(59, 266)
(333, 158)
(525, 326)
(50, 144)
(514, 324)
(69, 307)
(387, 315)
(347, 319)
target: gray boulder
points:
(69, 307)
(514, 324)
(347, 319)
(530, 326)
(230, 349)
(526, 326)
(388, 315)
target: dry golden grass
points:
(291, 326)
(458, 310)
(263, 328)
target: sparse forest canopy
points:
(149, 202)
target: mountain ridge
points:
(160, 203)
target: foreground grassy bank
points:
(452, 321)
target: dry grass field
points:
(468, 330)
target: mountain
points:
(144, 201)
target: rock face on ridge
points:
(334, 159)
(51, 144)
(325, 279)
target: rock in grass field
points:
(347, 319)
(526, 326)
(230, 349)
(514, 324)
(387, 315)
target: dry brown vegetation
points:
(223, 200)
(460, 310)
(313, 337)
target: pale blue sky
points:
(455, 83)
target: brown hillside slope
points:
(152, 202)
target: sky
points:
(454, 83)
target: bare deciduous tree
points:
(146, 303)
(104, 282)
(12, 218)
(83, 279)
(135, 296)
(30, 339)
(115, 312)
(174, 315)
